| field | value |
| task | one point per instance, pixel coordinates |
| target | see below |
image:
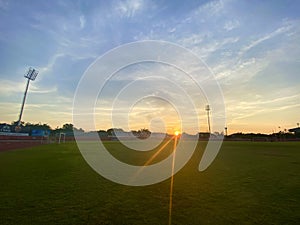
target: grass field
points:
(248, 183)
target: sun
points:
(176, 133)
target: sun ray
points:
(152, 158)
(172, 182)
(158, 151)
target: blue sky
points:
(252, 47)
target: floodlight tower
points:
(30, 75)
(207, 108)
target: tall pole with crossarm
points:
(30, 75)
(207, 108)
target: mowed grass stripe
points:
(248, 183)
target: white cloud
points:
(9, 87)
(129, 8)
(191, 40)
(82, 22)
(240, 71)
(211, 8)
(51, 63)
(246, 63)
(37, 90)
(172, 30)
(257, 106)
(232, 24)
(235, 65)
(207, 48)
(273, 34)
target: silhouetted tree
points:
(68, 127)
(113, 131)
(142, 133)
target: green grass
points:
(248, 183)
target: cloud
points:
(129, 8)
(9, 87)
(204, 45)
(82, 22)
(172, 30)
(241, 71)
(246, 112)
(280, 30)
(234, 63)
(216, 45)
(256, 105)
(51, 63)
(211, 8)
(232, 24)
(192, 40)
(38, 90)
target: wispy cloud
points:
(211, 8)
(51, 63)
(37, 90)
(216, 45)
(82, 21)
(129, 8)
(231, 24)
(280, 30)
(9, 87)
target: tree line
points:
(69, 128)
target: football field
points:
(248, 183)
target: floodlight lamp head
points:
(31, 74)
(207, 108)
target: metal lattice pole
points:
(30, 75)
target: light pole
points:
(30, 75)
(207, 108)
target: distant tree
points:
(145, 133)
(113, 131)
(15, 123)
(102, 133)
(110, 132)
(134, 132)
(28, 127)
(39, 126)
(68, 127)
(78, 129)
(142, 133)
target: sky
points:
(251, 47)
